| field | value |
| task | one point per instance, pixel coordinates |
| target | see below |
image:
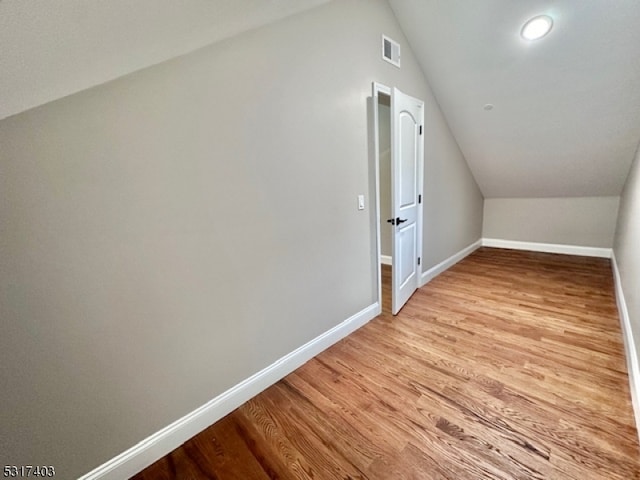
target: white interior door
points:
(407, 117)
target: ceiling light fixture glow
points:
(537, 27)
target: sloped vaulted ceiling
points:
(566, 115)
(50, 49)
(566, 108)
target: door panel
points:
(406, 160)
(407, 244)
(408, 164)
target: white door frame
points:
(377, 89)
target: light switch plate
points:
(360, 202)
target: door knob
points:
(396, 221)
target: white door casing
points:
(407, 118)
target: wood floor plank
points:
(222, 453)
(509, 365)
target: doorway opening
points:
(384, 175)
(398, 132)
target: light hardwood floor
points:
(509, 365)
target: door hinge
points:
(418, 260)
(419, 198)
(420, 129)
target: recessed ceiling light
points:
(537, 27)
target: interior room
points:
(320, 239)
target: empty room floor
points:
(509, 365)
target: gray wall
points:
(583, 221)
(627, 247)
(168, 234)
(453, 203)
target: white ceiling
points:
(566, 116)
(50, 49)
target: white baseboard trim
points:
(169, 438)
(629, 345)
(386, 260)
(448, 263)
(548, 247)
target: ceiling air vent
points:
(391, 51)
